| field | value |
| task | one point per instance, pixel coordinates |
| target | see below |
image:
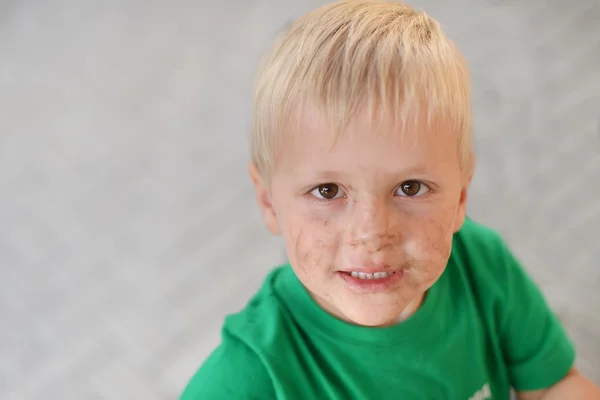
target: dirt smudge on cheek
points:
(439, 237)
(429, 246)
(314, 246)
(309, 251)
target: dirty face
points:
(368, 218)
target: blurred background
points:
(128, 227)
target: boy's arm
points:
(232, 372)
(537, 350)
(573, 386)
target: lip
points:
(372, 285)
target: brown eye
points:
(411, 188)
(327, 191)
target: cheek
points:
(430, 243)
(312, 243)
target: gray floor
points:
(127, 223)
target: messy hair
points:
(380, 56)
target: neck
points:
(409, 310)
(412, 307)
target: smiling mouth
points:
(373, 276)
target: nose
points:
(371, 225)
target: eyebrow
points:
(417, 170)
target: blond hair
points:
(377, 55)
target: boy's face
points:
(367, 221)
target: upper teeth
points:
(376, 275)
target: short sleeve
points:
(535, 346)
(231, 372)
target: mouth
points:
(369, 276)
(364, 282)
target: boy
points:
(362, 155)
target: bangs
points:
(381, 58)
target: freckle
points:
(325, 223)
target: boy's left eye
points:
(412, 189)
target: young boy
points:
(362, 155)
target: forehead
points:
(311, 137)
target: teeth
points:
(376, 275)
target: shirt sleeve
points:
(232, 372)
(535, 346)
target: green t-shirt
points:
(483, 327)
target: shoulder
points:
(256, 324)
(482, 255)
(479, 241)
(237, 368)
(482, 268)
(535, 346)
(231, 372)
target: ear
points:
(461, 212)
(263, 198)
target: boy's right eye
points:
(327, 191)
